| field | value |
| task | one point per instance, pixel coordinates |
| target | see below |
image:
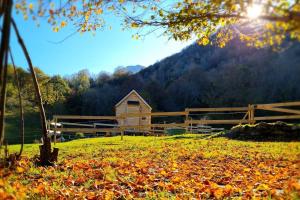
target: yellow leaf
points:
(134, 25)
(176, 179)
(190, 190)
(99, 11)
(30, 6)
(20, 169)
(63, 24)
(56, 29)
(262, 187)
(18, 6)
(163, 173)
(228, 189)
(247, 170)
(87, 16)
(161, 13)
(203, 41)
(218, 193)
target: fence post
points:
(55, 126)
(191, 125)
(122, 134)
(252, 115)
(251, 110)
(122, 131)
(186, 119)
(249, 114)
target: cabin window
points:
(133, 103)
(143, 118)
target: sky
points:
(104, 51)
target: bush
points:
(79, 135)
(278, 131)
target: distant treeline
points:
(196, 77)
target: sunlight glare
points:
(254, 11)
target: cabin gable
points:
(133, 103)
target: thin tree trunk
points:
(21, 110)
(45, 149)
(35, 81)
(3, 98)
(3, 60)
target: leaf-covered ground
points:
(183, 167)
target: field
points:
(178, 167)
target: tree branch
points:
(187, 18)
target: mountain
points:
(205, 76)
(128, 69)
(134, 68)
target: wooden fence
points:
(291, 110)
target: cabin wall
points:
(141, 108)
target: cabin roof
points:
(137, 94)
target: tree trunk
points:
(21, 110)
(46, 154)
(3, 59)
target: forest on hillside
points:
(196, 77)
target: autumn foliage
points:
(210, 22)
(160, 168)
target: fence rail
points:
(229, 121)
(84, 117)
(216, 109)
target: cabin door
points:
(133, 108)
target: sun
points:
(254, 11)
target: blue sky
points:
(102, 52)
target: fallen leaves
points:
(167, 170)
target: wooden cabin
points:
(134, 103)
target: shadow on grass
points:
(181, 137)
(275, 139)
(113, 144)
(246, 139)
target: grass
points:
(192, 141)
(184, 166)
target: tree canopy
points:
(259, 23)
